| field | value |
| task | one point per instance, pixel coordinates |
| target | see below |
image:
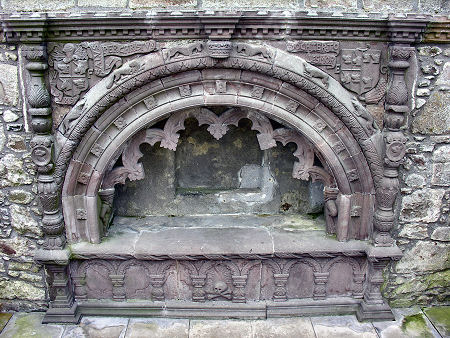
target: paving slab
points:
(26, 325)
(440, 317)
(4, 319)
(158, 328)
(409, 322)
(98, 327)
(342, 326)
(283, 328)
(220, 329)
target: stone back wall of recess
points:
(388, 6)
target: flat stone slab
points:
(440, 317)
(158, 328)
(342, 327)
(107, 327)
(216, 235)
(26, 325)
(4, 319)
(409, 322)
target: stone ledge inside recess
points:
(227, 235)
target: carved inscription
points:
(319, 53)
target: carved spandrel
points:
(75, 67)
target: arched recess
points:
(280, 86)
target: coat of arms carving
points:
(360, 69)
(75, 66)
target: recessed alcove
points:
(230, 175)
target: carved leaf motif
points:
(304, 152)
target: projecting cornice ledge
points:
(42, 27)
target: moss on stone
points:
(415, 325)
(440, 316)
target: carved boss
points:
(74, 65)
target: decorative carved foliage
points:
(217, 127)
(74, 64)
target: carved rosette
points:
(38, 100)
(396, 108)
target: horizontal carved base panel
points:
(206, 281)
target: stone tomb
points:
(217, 179)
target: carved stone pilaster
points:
(157, 282)
(118, 287)
(396, 108)
(239, 283)
(373, 306)
(320, 285)
(358, 288)
(80, 287)
(38, 100)
(280, 281)
(198, 282)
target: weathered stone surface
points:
(19, 245)
(422, 205)
(29, 325)
(2, 137)
(157, 328)
(283, 327)
(220, 328)
(441, 234)
(424, 256)
(37, 5)
(9, 87)
(342, 326)
(9, 116)
(12, 172)
(102, 3)
(23, 266)
(136, 4)
(4, 318)
(414, 231)
(435, 116)
(111, 327)
(408, 323)
(415, 181)
(16, 143)
(23, 222)
(440, 317)
(15, 289)
(20, 196)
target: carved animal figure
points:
(129, 69)
(360, 111)
(184, 50)
(316, 73)
(73, 115)
(248, 50)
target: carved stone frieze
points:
(74, 67)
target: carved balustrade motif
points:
(235, 280)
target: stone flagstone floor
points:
(410, 322)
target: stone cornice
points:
(39, 27)
(438, 31)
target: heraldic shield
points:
(360, 69)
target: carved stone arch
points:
(150, 88)
(349, 260)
